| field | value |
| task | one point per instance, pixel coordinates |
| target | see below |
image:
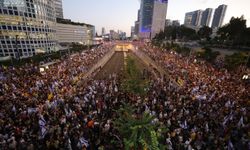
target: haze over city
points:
(159, 75)
(121, 14)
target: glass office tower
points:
(152, 17)
(58, 8)
(146, 13)
(26, 27)
(219, 16)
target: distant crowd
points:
(209, 109)
(37, 110)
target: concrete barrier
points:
(148, 61)
(86, 76)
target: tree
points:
(187, 33)
(138, 131)
(174, 32)
(208, 54)
(134, 82)
(235, 32)
(235, 60)
(205, 32)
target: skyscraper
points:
(196, 19)
(188, 18)
(132, 31)
(26, 30)
(137, 27)
(137, 23)
(159, 16)
(103, 31)
(152, 17)
(219, 15)
(206, 17)
(146, 15)
(58, 8)
(193, 18)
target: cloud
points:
(204, 1)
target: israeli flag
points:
(83, 142)
(42, 124)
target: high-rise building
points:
(193, 19)
(122, 35)
(168, 23)
(196, 19)
(176, 23)
(114, 35)
(26, 30)
(137, 28)
(152, 17)
(159, 16)
(219, 15)
(206, 17)
(188, 19)
(146, 15)
(103, 31)
(137, 24)
(139, 15)
(58, 8)
(1, 3)
(132, 31)
(73, 32)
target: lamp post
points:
(247, 59)
(88, 33)
(17, 50)
(16, 46)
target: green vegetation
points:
(205, 32)
(235, 33)
(68, 21)
(134, 81)
(177, 32)
(185, 51)
(235, 60)
(139, 131)
(208, 54)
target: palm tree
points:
(138, 131)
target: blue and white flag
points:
(32, 110)
(230, 145)
(42, 125)
(241, 122)
(201, 97)
(83, 142)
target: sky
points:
(121, 14)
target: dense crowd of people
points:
(209, 109)
(35, 104)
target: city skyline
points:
(101, 13)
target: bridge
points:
(123, 47)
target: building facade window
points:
(26, 25)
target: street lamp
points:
(247, 59)
(17, 50)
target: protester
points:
(208, 110)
